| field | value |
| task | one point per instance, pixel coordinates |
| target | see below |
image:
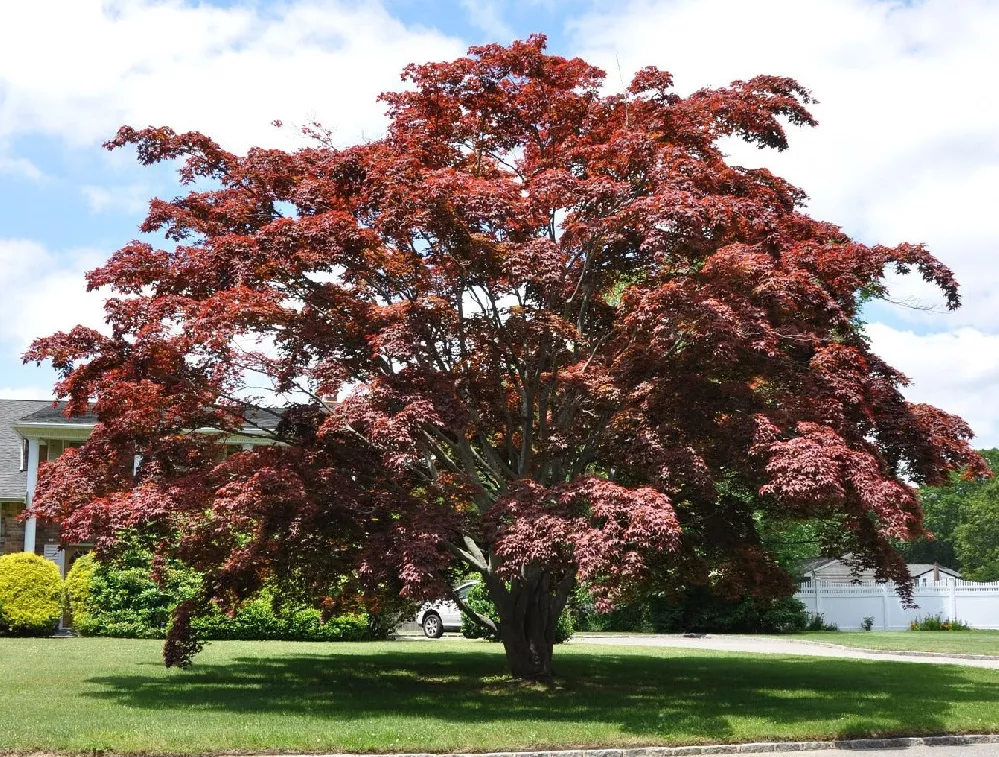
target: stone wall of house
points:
(46, 533)
(11, 529)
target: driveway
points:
(770, 645)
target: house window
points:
(24, 454)
(55, 448)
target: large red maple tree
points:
(536, 332)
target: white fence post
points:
(884, 607)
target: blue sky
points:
(907, 148)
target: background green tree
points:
(976, 537)
(964, 519)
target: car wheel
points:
(433, 628)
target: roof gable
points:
(919, 569)
(14, 481)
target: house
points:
(14, 481)
(932, 574)
(35, 431)
(832, 570)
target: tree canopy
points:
(963, 518)
(536, 332)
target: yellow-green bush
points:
(78, 592)
(30, 595)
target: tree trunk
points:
(528, 609)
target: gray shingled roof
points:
(919, 568)
(14, 481)
(814, 563)
(257, 417)
(915, 569)
(55, 414)
(264, 417)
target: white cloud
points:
(19, 167)
(78, 69)
(907, 147)
(486, 15)
(26, 393)
(44, 293)
(958, 371)
(132, 199)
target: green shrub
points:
(77, 596)
(699, 610)
(30, 595)
(306, 624)
(634, 616)
(784, 616)
(695, 610)
(936, 623)
(479, 601)
(258, 619)
(818, 623)
(120, 599)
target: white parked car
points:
(444, 615)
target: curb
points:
(763, 747)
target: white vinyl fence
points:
(847, 605)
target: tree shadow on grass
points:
(694, 697)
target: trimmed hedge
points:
(120, 599)
(30, 595)
(478, 599)
(259, 620)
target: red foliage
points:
(564, 331)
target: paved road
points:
(734, 643)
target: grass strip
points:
(947, 642)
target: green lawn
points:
(962, 642)
(81, 695)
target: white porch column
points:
(29, 525)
